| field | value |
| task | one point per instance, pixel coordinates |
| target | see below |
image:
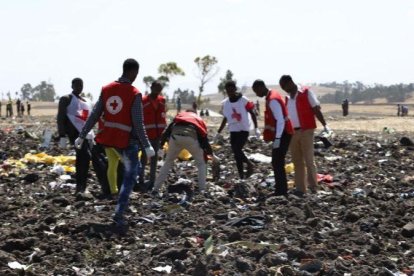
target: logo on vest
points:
(114, 104)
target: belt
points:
(297, 128)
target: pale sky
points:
(313, 40)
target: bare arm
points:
(319, 115)
(223, 124)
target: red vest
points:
(154, 116)
(269, 132)
(305, 111)
(194, 119)
(117, 99)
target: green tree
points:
(44, 92)
(169, 70)
(207, 67)
(227, 77)
(148, 80)
(26, 91)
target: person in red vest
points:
(278, 130)
(187, 131)
(121, 105)
(303, 106)
(155, 110)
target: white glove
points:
(78, 143)
(258, 133)
(150, 152)
(276, 143)
(327, 129)
(63, 141)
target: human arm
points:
(92, 119)
(278, 115)
(61, 116)
(138, 122)
(222, 125)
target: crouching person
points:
(187, 131)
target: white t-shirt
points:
(291, 106)
(278, 115)
(237, 114)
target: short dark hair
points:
(230, 83)
(285, 79)
(258, 83)
(76, 80)
(130, 64)
(157, 83)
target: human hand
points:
(276, 143)
(258, 133)
(78, 143)
(150, 152)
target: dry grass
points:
(372, 118)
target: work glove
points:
(258, 133)
(150, 152)
(276, 143)
(63, 141)
(326, 132)
(78, 143)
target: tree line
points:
(359, 92)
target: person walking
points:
(73, 111)
(29, 107)
(120, 103)
(278, 130)
(187, 131)
(236, 109)
(303, 107)
(155, 110)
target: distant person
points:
(9, 109)
(278, 130)
(18, 102)
(207, 112)
(187, 131)
(345, 107)
(178, 104)
(73, 111)
(201, 113)
(29, 107)
(22, 109)
(398, 110)
(120, 103)
(404, 110)
(236, 109)
(303, 106)
(155, 120)
(194, 106)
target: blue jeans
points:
(131, 169)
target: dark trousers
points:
(84, 155)
(153, 162)
(237, 141)
(278, 164)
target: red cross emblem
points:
(114, 104)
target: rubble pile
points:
(360, 222)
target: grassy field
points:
(372, 117)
